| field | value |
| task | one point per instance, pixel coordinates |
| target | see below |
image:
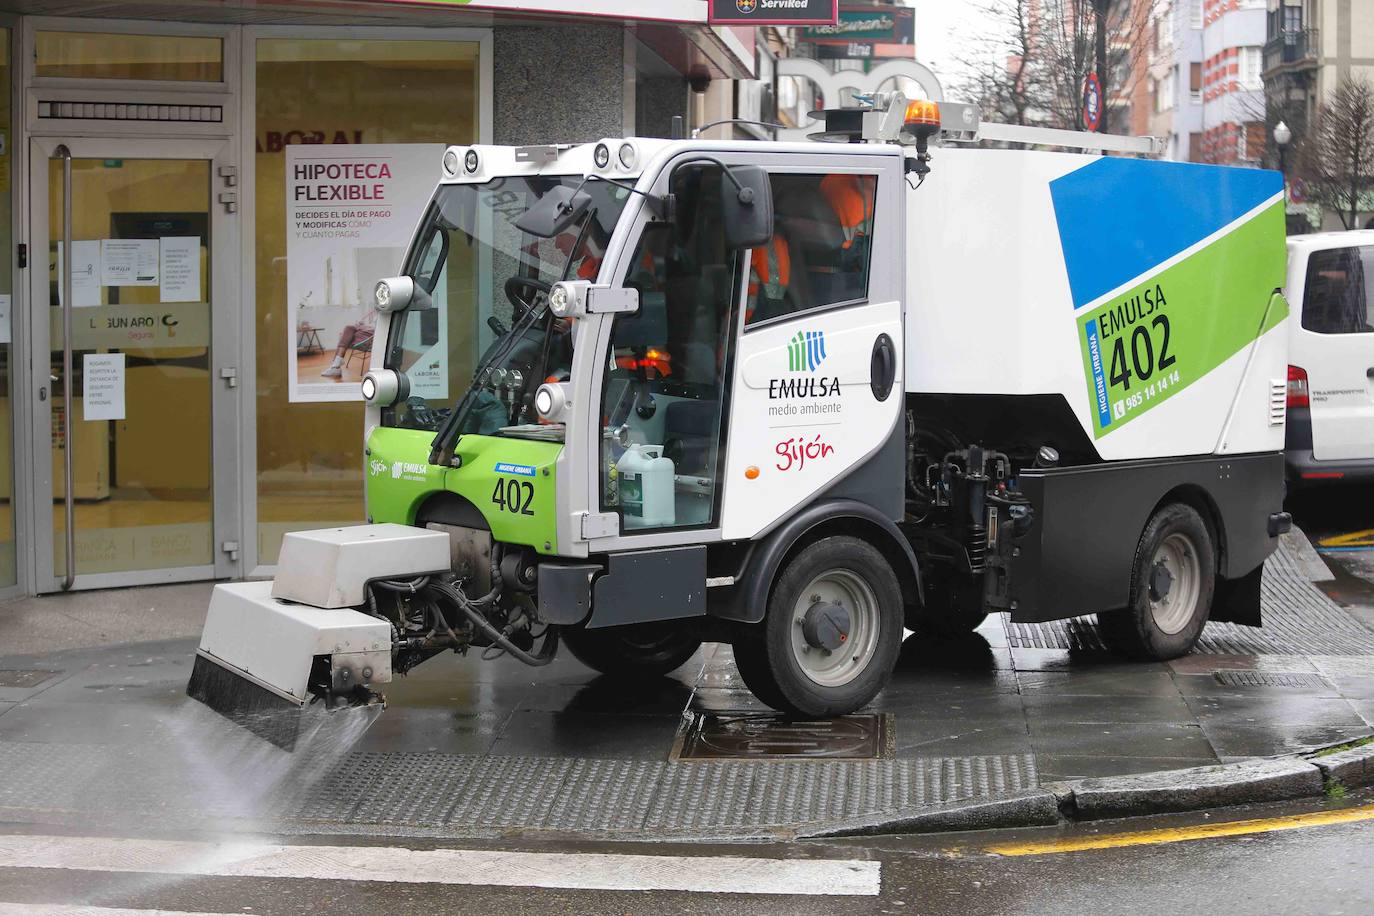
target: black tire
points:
(769, 659)
(636, 652)
(949, 609)
(1166, 613)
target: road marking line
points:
(246, 859)
(1351, 539)
(1184, 834)
(77, 909)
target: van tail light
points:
(1297, 388)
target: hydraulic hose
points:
(469, 608)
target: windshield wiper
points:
(440, 452)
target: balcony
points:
(1293, 48)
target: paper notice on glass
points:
(128, 262)
(6, 335)
(180, 269)
(85, 274)
(102, 376)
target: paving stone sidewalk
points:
(472, 748)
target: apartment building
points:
(1311, 45)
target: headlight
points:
(471, 161)
(552, 403)
(560, 300)
(601, 155)
(450, 162)
(394, 293)
(627, 156)
(383, 387)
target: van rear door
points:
(1334, 343)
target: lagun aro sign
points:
(774, 12)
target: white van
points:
(1330, 291)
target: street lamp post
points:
(1282, 137)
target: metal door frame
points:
(225, 349)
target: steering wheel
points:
(530, 285)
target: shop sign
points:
(350, 210)
(865, 33)
(137, 327)
(774, 12)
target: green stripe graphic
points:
(1181, 323)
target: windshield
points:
(488, 341)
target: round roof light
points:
(471, 161)
(601, 155)
(628, 156)
(450, 162)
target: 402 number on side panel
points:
(516, 496)
(1142, 353)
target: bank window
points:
(820, 251)
(1338, 297)
(666, 388)
(119, 56)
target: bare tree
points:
(999, 63)
(1338, 157)
(1050, 47)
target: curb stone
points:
(1247, 782)
(1031, 808)
(1352, 767)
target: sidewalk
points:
(466, 748)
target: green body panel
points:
(521, 511)
(1213, 304)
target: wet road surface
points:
(1293, 858)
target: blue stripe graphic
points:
(1118, 218)
(1104, 414)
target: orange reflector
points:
(751, 472)
(922, 112)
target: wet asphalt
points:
(1313, 870)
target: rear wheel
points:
(1172, 584)
(643, 650)
(832, 632)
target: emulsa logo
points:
(746, 6)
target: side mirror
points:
(746, 206)
(555, 213)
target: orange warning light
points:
(751, 472)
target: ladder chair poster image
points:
(350, 212)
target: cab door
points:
(818, 374)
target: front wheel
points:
(1172, 583)
(832, 632)
(635, 652)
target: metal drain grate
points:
(767, 736)
(24, 679)
(1268, 679)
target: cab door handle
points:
(883, 367)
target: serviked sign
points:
(775, 12)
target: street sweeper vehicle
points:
(634, 395)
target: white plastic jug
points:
(647, 491)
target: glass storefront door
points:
(128, 461)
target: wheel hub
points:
(1161, 581)
(826, 625)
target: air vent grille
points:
(129, 111)
(1278, 401)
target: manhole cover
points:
(1269, 679)
(23, 679)
(768, 736)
